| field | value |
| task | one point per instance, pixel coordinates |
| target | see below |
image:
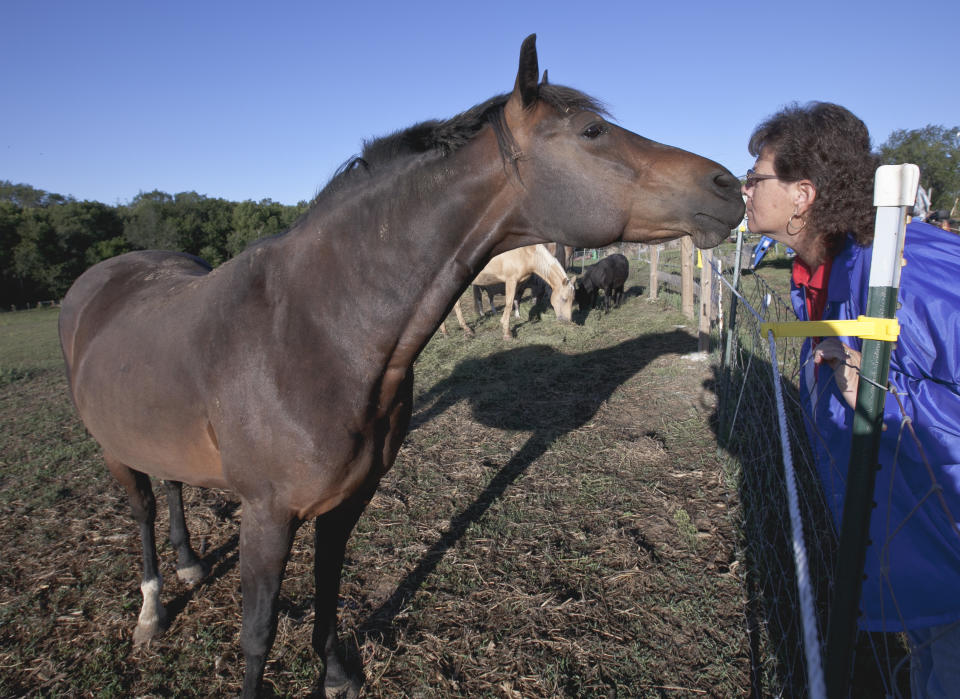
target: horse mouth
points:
(710, 230)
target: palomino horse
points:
(285, 375)
(533, 282)
(515, 266)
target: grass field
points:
(558, 523)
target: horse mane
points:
(547, 263)
(445, 137)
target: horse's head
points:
(589, 182)
(562, 300)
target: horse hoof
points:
(348, 690)
(144, 633)
(191, 575)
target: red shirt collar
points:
(814, 284)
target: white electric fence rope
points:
(811, 640)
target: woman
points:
(811, 188)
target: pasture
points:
(557, 523)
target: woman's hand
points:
(845, 362)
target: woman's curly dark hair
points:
(828, 145)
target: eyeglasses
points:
(752, 178)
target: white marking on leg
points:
(152, 614)
(191, 575)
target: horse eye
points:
(594, 130)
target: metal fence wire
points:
(749, 432)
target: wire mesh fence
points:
(749, 433)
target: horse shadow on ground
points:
(533, 388)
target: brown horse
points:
(285, 375)
(515, 266)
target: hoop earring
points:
(803, 223)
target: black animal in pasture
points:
(609, 274)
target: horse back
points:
(117, 285)
(516, 265)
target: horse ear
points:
(528, 72)
(544, 81)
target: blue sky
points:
(253, 100)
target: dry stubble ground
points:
(558, 523)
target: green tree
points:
(936, 150)
(147, 224)
(47, 240)
(25, 196)
(34, 254)
(11, 285)
(54, 246)
(252, 221)
(83, 230)
(186, 222)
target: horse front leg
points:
(144, 509)
(330, 540)
(332, 530)
(510, 291)
(265, 540)
(190, 569)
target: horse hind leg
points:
(143, 506)
(461, 320)
(190, 569)
(478, 300)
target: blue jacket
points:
(913, 564)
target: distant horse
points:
(535, 283)
(515, 266)
(609, 274)
(286, 374)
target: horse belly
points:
(162, 443)
(150, 419)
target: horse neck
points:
(548, 268)
(409, 263)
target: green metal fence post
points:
(895, 189)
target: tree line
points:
(47, 240)
(936, 149)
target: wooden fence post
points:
(654, 265)
(686, 276)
